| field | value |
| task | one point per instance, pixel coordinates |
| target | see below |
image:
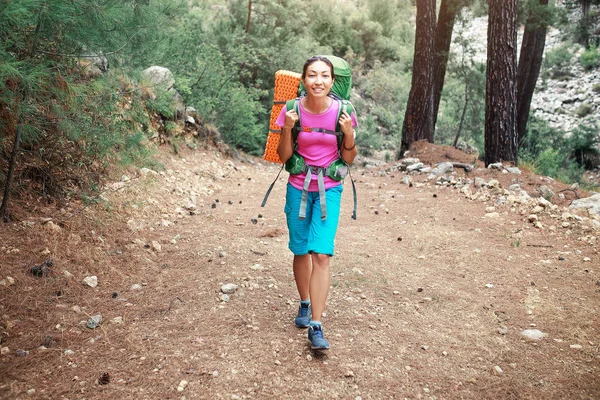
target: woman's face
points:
(318, 80)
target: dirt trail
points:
(428, 297)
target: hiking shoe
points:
(315, 335)
(303, 317)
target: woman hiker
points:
(312, 226)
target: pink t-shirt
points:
(318, 149)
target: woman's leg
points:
(302, 272)
(319, 284)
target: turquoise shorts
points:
(312, 235)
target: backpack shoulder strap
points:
(345, 105)
(294, 104)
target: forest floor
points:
(431, 289)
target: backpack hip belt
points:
(332, 171)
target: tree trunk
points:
(464, 112)
(247, 29)
(530, 63)
(443, 38)
(500, 102)
(585, 7)
(10, 174)
(416, 118)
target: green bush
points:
(556, 60)
(558, 165)
(554, 154)
(583, 110)
(163, 104)
(590, 58)
(368, 139)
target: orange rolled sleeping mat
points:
(286, 88)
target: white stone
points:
(229, 288)
(182, 385)
(533, 334)
(91, 281)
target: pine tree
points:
(500, 108)
(56, 103)
(418, 116)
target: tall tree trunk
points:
(500, 102)
(530, 63)
(443, 38)
(416, 118)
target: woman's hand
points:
(291, 117)
(346, 124)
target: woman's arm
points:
(285, 149)
(348, 150)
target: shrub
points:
(583, 110)
(590, 58)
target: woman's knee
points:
(320, 260)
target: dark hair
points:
(314, 59)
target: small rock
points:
(117, 320)
(489, 285)
(21, 353)
(91, 281)
(503, 330)
(156, 246)
(573, 346)
(69, 352)
(4, 351)
(182, 385)
(498, 370)
(533, 334)
(94, 321)
(136, 286)
(349, 374)
(277, 362)
(30, 391)
(229, 288)
(224, 298)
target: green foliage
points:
(584, 145)
(73, 116)
(163, 104)
(590, 58)
(553, 154)
(368, 139)
(559, 57)
(583, 110)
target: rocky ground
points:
(176, 284)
